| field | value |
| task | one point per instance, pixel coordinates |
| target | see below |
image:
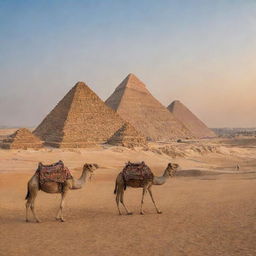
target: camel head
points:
(172, 168)
(90, 167)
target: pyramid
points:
(127, 136)
(80, 119)
(193, 123)
(135, 104)
(22, 139)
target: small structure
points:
(127, 136)
(22, 139)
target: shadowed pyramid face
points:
(127, 136)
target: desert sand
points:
(209, 208)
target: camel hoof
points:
(129, 213)
(38, 221)
(62, 220)
(142, 213)
(159, 212)
(27, 220)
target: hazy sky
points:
(200, 52)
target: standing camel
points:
(121, 186)
(53, 187)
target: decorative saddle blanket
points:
(137, 172)
(56, 172)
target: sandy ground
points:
(208, 209)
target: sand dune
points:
(208, 209)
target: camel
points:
(53, 187)
(121, 186)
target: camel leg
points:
(60, 212)
(31, 203)
(122, 201)
(151, 195)
(117, 200)
(142, 200)
(28, 204)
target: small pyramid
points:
(192, 122)
(80, 119)
(127, 136)
(135, 104)
(22, 139)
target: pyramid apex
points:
(131, 75)
(176, 102)
(173, 104)
(132, 81)
(80, 83)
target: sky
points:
(201, 52)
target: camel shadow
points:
(194, 173)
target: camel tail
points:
(115, 188)
(125, 185)
(115, 191)
(28, 194)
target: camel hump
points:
(137, 172)
(135, 164)
(55, 172)
(57, 164)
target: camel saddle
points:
(138, 173)
(56, 172)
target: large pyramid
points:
(127, 136)
(80, 119)
(22, 139)
(196, 126)
(134, 103)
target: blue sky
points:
(201, 52)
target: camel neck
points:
(83, 176)
(160, 180)
(79, 183)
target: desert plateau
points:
(208, 207)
